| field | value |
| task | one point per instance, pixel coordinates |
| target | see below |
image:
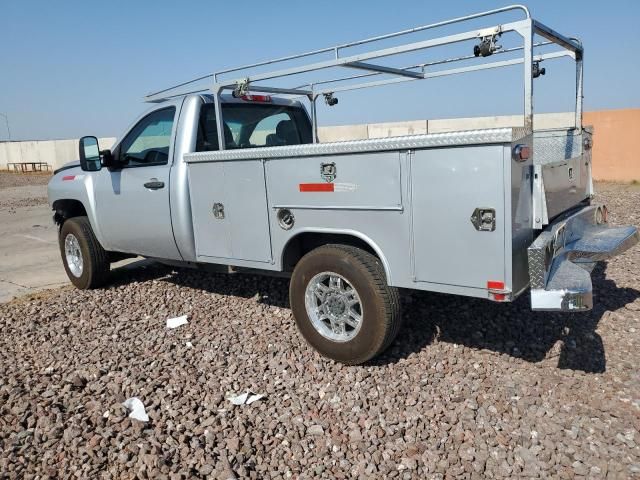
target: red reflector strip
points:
(493, 285)
(69, 177)
(316, 187)
(499, 296)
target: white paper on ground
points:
(246, 398)
(177, 321)
(136, 408)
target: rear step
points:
(600, 242)
(562, 257)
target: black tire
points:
(380, 303)
(95, 259)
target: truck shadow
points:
(511, 328)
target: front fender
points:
(74, 184)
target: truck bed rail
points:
(407, 142)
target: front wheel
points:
(85, 261)
(342, 304)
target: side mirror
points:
(89, 154)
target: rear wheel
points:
(85, 261)
(342, 304)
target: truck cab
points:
(141, 197)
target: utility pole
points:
(6, 119)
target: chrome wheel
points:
(333, 306)
(73, 255)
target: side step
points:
(562, 257)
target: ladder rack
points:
(526, 28)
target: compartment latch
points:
(484, 219)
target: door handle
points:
(154, 184)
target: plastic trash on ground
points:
(246, 398)
(177, 321)
(136, 409)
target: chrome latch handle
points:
(484, 219)
(218, 211)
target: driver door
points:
(133, 201)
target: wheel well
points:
(303, 243)
(65, 209)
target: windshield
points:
(253, 125)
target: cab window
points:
(249, 125)
(148, 142)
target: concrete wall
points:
(54, 152)
(614, 155)
(416, 127)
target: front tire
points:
(84, 259)
(342, 304)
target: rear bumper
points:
(562, 257)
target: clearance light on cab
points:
(249, 97)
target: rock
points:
(206, 469)
(580, 468)
(315, 430)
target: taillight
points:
(249, 97)
(521, 153)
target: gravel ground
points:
(8, 179)
(470, 388)
(18, 190)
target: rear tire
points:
(342, 304)
(84, 259)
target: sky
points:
(75, 68)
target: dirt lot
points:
(29, 256)
(18, 190)
(9, 179)
(470, 388)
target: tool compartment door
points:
(239, 229)
(447, 185)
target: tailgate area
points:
(562, 171)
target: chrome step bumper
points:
(562, 257)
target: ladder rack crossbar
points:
(526, 28)
(375, 54)
(423, 65)
(378, 38)
(443, 73)
(336, 49)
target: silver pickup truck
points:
(232, 175)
